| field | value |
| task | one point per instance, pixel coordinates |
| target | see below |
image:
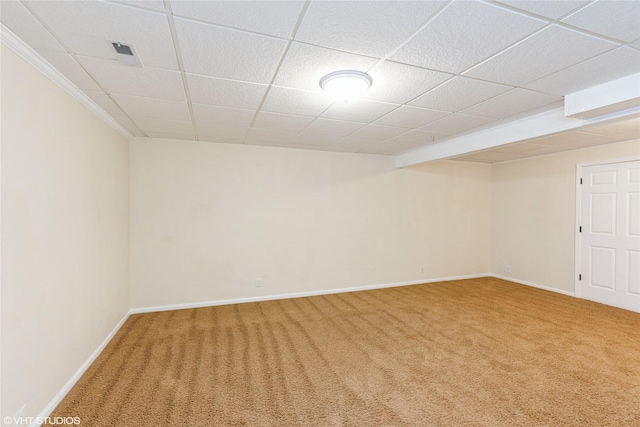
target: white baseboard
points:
(298, 294)
(72, 381)
(535, 285)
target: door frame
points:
(578, 237)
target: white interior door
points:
(610, 234)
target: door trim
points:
(578, 253)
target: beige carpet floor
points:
(481, 352)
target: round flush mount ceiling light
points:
(346, 85)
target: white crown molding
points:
(25, 51)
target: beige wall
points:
(208, 219)
(64, 235)
(533, 214)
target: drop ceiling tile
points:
(69, 67)
(456, 123)
(570, 141)
(306, 146)
(150, 125)
(379, 132)
(314, 139)
(153, 107)
(19, 20)
(225, 93)
(360, 110)
(276, 18)
(400, 83)
(292, 101)
(549, 9)
(609, 66)
(417, 137)
(85, 27)
(220, 140)
(282, 136)
(333, 127)
(169, 135)
(411, 117)
(304, 65)
(226, 115)
(126, 123)
(371, 28)
(229, 53)
(629, 129)
(517, 148)
(511, 103)
(209, 129)
(277, 121)
(265, 143)
(465, 34)
(548, 149)
(547, 52)
(356, 142)
(157, 5)
(459, 93)
(105, 102)
(615, 19)
(636, 44)
(489, 157)
(136, 81)
(385, 150)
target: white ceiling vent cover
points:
(126, 54)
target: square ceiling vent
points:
(126, 54)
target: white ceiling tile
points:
(549, 51)
(220, 140)
(368, 27)
(511, 103)
(400, 83)
(359, 110)
(333, 127)
(136, 81)
(19, 20)
(356, 142)
(150, 125)
(170, 135)
(69, 67)
(225, 93)
(418, 137)
(226, 115)
(636, 44)
(379, 132)
(126, 123)
(275, 18)
(459, 93)
(385, 150)
(609, 66)
(617, 19)
(229, 53)
(283, 136)
(85, 27)
(157, 5)
(464, 34)
(265, 143)
(628, 129)
(292, 101)
(153, 107)
(306, 146)
(314, 139)
(265, 120)
(548, 149)
(456, 123)
(105, 102)
(304, 65)
(410, 117)
(549, 8)
(575, 139)
(221, 130)
(517, 148)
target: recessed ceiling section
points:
(248, 72)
